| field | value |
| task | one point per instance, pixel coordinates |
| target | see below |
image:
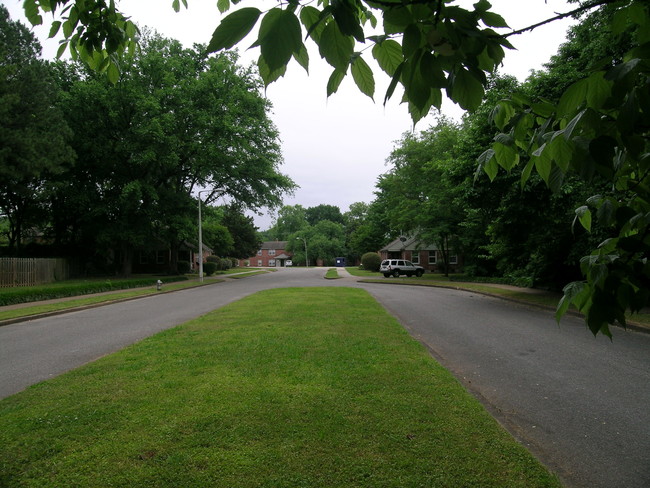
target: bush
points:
(183, 267)
(209, 268)
(226, 264)
(213, 259)
(371, 261)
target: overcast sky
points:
(335, 148)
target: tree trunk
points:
(173, 258)
(127, 260)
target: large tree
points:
(175, 123)
(33, 135)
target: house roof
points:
(274, 245)
(283, 256)
(409, 244)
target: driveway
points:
(579, 403)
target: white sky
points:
(335, 148)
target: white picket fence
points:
(32, 271)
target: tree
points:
(290, 219)
(422, 201)
(244, 233)
(324, 212)
(176, 122)
(33, 135)
(597, 129)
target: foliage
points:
(176, 122)
(371, 261)
(242, 228)
(10, 296)
(33, 135)
(598, 130)
(209, 268)
(314, 215)
(183, 267)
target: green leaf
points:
(176, 5)
(56, 25)
(493, 20)
(573, 98)
(389, 56)
(233, 28)
(432, 72)
(334, 81)
(280, 36)
(336, 48)
(32, 12)
(363, 77)
(598, 90)
(573, 293)
(393, 82)
(269, 76)
(411, 41)
(302, 56)
(525, 174)
(223, 5)
(487, 161)
(465, 89)
(502, 113)
(347, 18)
(314, 21)
(543, 164)
(113, 73)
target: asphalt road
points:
(580, 404)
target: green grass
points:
(26, 311)
(313, 387)
(332, 274)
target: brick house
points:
(426, 255)
(270, 254)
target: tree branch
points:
(576, 11)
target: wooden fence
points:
(32, 271)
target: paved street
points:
(579, 403)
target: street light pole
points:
(306, 257)
(201, 239)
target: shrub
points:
(213, 259)
(226, 264)
(184, 267)
(371, 261)
(209, 268)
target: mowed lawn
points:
(309, 387)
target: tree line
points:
(98, 170)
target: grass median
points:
(314, 387)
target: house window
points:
(259, 253)
(415, 257)
(259, 262)
(453, 259)
(432, 257)
(144, 259)
(271, 252)
(271, 262)
(160, 257)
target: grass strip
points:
(332, 274)
(93, 300)
(314, 387)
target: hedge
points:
(11, 296)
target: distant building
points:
(426, 255)
(271, 254)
